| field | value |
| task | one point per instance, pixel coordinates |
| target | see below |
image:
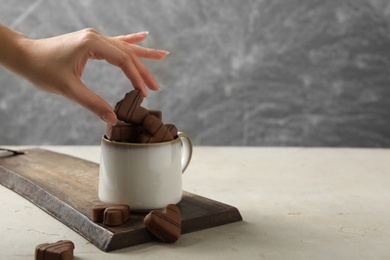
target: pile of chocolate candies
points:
(138, 124)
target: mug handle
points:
(186, 153)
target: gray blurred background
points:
(248, 72)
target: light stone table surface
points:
(297, 203)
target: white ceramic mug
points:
(143, 176)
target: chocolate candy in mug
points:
(129, 109)
(123, 132)
(156, 113)
(155, 131)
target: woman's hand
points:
(56, 64)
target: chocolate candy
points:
(123, 132)
(111, 214)
(172, 129)
(129, 108)
(138, 124)
(165, 224)
(156, 131)
(62, 250)
(156, 113)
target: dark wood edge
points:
(223, 214)
(81, 223)
(224, 217)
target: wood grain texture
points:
(66, 188)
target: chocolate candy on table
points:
(156, 131)
(111, 214)
(165, 224)
(129, 108)
(123, 132)
(62, 250)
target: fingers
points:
(145, 74)
(149, 53)
(82, 95)
(102, 49)
(132, 38)
(135, 76)
(124, 57)
(121, 52)
(138, 66)
(140, 51)
(133, 51)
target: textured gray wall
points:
(248, 72)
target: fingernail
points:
(110, 118)
(145, 92)
(143, 33)
(163, 52)
(156, 87)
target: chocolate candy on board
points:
(165, 224)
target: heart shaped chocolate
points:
(172, 129)
(165, 224)
(129, 108)
(156, 131)
(156, 113)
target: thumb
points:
(82, 95)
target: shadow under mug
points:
(144, 176)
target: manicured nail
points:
(163, 52)
(109, 118)
(143, 33)
(145, 92)
(157, 86)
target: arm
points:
(56, 64)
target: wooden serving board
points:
(66, 187)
